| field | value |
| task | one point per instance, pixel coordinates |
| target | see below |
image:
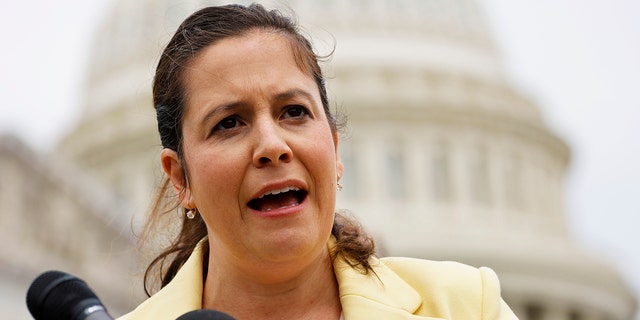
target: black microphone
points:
(205, 314)
(55, 295)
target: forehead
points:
(244, 67)
(246, 51)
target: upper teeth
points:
(274, 192)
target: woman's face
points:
(261, 158)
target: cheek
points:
(325, 150)
(322, 156)
(215, 179)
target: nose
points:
(271, 147)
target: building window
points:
(513, 182)
(441, 185)
(395, 170)
(350, 179)
(480, 176)
(534, 312)
(575, 315)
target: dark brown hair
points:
(202, 29)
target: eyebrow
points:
(292, 93)
(225, 107)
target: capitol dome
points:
(443, 158)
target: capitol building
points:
(444, 159)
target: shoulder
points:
(441, 274)
(452, 289)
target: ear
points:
(172, 166)
(339, 165)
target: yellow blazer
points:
(404, 289)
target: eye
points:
(295, 112)
(227, 124)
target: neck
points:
(310, 292)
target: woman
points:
(250, 151)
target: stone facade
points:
(55, 217)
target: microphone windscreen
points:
(58, 295)
(205, 314)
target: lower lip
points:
(281, 212)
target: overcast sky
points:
(579, 60)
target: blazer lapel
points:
(385, 296)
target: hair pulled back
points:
(203, 28)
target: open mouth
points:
(278, 199)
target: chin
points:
(292, 244)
